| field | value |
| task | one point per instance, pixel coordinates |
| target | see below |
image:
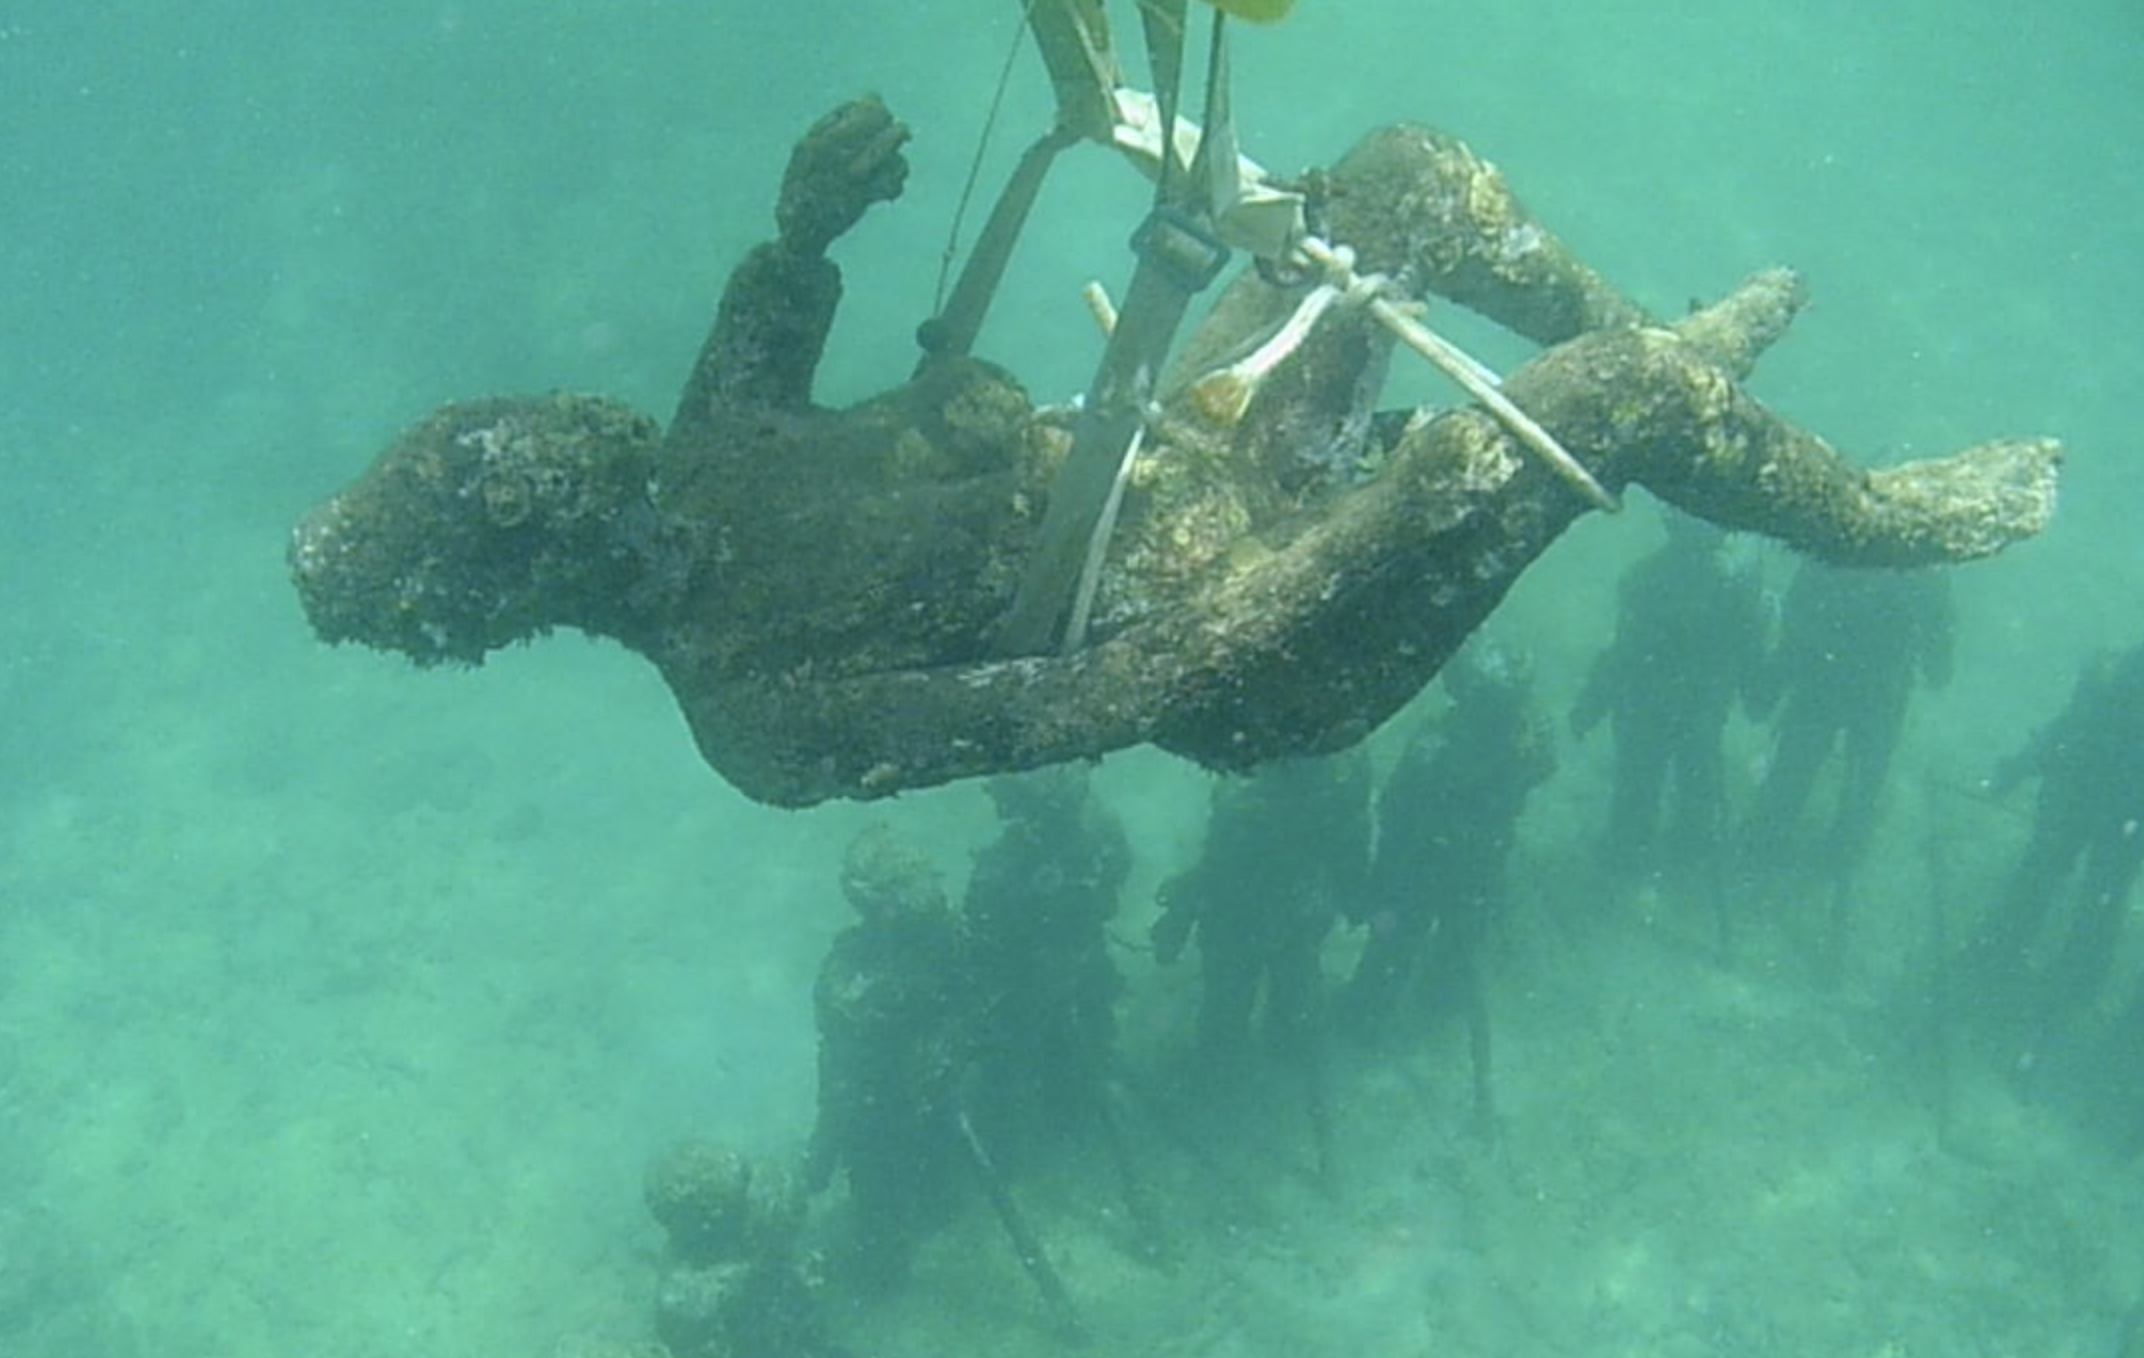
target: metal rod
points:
(1026, 1244)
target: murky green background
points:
(339, 1005)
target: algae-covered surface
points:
(342, 1005)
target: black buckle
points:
(1182, 245)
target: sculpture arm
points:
(778, 308)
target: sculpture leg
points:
(1420, 206)
(1295, 1030)
(1642, 756)
(1153, 1243)
(1805, 742)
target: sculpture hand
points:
(849, 160)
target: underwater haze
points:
(342, 1005)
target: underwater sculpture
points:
(1689, 645)
(828, 592)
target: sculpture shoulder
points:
(956, 418)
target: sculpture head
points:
(488, 523)
(887, 880)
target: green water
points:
(340, 1005)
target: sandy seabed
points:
(365, 1060)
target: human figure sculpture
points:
(2050, 995)
(1035, 950)
(2087, 841)
(1287, 852)
(892, 1048)
(1447, 819)
(736, 1279)
(1689, 642)
(823, 589)
(1853, 647)
(943, 1038)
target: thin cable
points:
(975, 163)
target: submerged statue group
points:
(1228, 548)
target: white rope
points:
(1090, 568)
(1223, 395)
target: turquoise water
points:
(340, 1005)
